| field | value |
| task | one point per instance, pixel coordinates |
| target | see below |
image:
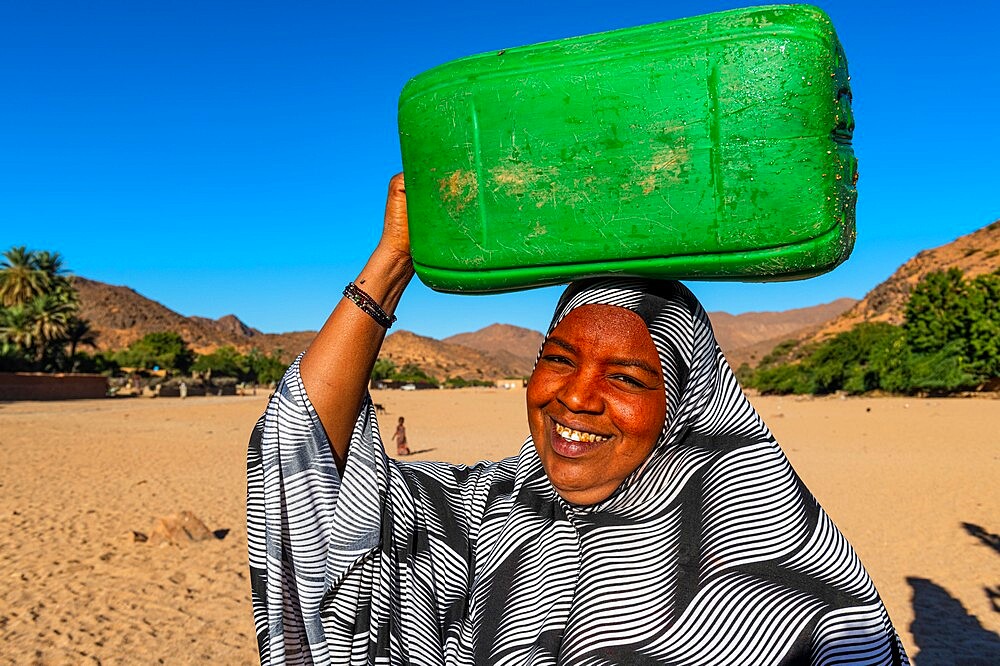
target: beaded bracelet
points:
(368, 305)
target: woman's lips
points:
(571, 443)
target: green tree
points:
(17, 327)
(941, 371)
(163, 349)
(949, 342)
(223, 362)
(12, 358)
(383, 369)
(891, 361)
(51, 314)
(79, 332)
(20, 278)
(99, 362)
(459, 382)
(870, 356)
(936, 311)
(265, 369)
(783, 352)
(983, 348)
(953, 326)
(411, 372)
(37, 305)
(857, 360)
(783, 379)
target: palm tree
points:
(51, 315)
(50, 263)
(79, 332)
(17, 327)
(20, 278)
(54, 277)
(37, 303)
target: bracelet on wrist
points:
(368, 305)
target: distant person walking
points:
(400, 438)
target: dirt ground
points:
(913, 483)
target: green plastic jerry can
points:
(712, 148)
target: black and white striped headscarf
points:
(701, 392)
(712, 552)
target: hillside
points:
(974, 254)
(747, 337)
(442, 359)
(121, 315)
(512, 344)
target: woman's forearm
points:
(337, 365)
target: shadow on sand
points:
(414, 452)
(945, 633)
(988, 538)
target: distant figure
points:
(400, 438)
(184, 390)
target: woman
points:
(650, 518)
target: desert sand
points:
(912, 482)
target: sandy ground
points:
(913, 483)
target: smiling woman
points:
(595, 401)
(649, 518)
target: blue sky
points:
(232, 157)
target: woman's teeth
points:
(578, 436)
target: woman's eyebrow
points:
(625, 362)
(559, 342)
(634, 363)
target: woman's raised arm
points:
(337, 366)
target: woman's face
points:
(596, 403)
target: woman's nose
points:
(580, 393)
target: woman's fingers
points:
(395, 230)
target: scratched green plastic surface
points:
(716, 147)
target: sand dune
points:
(912, 482)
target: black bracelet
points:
(367, 304)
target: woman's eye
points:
(555, 358)
(631, 381)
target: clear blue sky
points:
(232, 157)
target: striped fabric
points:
(712, 552)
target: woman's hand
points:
(395, 228)
(336, 368)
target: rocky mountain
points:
(974, 254)
(748, 337)
(444, 359)
(121, 315)
(511, 345)
(503, 350)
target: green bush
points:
(953, 328)
(383, 369)
(265, 369)
(223, 362)
(949, 342)
(413, 373)
(459, 382)
(783, 379)
(164, 349)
